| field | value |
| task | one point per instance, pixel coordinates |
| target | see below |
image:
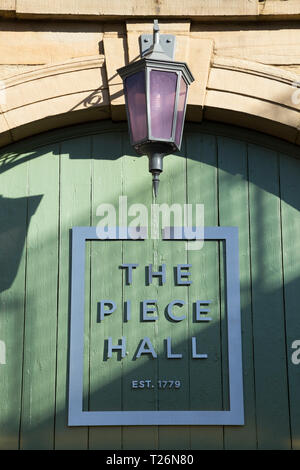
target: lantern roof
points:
(161, 64)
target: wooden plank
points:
(173, 191)
(38, 400)
(74, 210)
(233, 211)
(202, 189)
(13, 222)
(106, 256)
(137, 187)
(267, 300)
(290, 206)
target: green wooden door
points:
(56, 181)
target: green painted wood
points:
(136, 187)
(290, 206)
(202, 188)
(38, 397)
(272, 408)
(173, 191)
(13, 223)
(234, 211)
(74, 210)
(106, 256)
(240, 184)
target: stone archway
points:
(237, 92)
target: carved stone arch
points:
(254, 96)
(54, 96)
(238, 92)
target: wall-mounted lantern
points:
(155, 90)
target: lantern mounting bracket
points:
(166, 41)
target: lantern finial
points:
(155, 182)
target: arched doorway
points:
(56, 181)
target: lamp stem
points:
(155, 167)
(155, 182)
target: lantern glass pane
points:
(135, 90)
(162, 103)
(180, 111)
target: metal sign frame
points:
(233, 416)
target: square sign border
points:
(233, 416)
